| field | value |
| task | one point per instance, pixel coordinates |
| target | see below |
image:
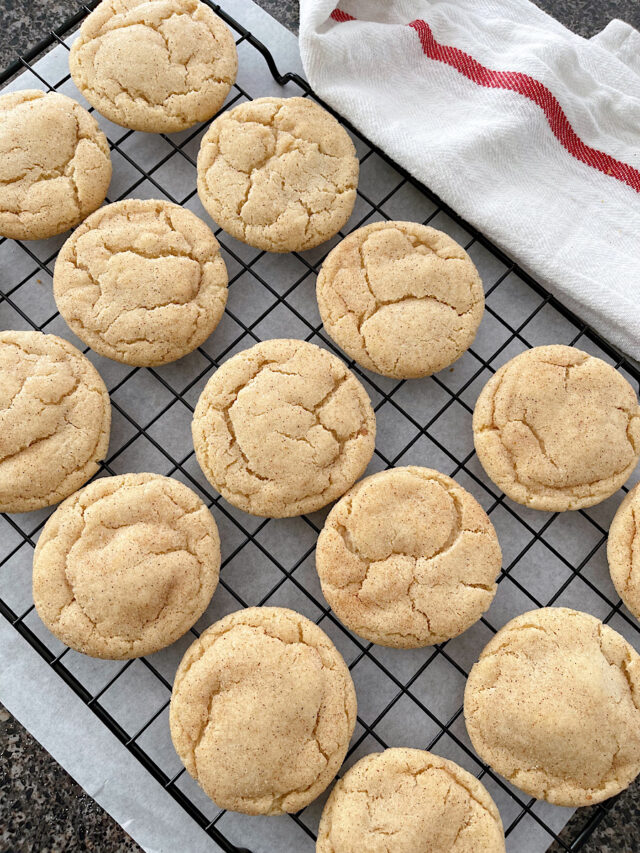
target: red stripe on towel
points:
(530, 88)
(341, 17)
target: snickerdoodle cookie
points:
(424, 803)
(141, 281)
(126, 565)
(262, 711)
(283, 428)
(278, 173)
(55, 165)
(408, 558)
(623, 551)
(55, 418)
(557, 429)
(400, 298)
(154, 65)
(553, 705)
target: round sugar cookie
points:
(283, 429)
(408, 558)
(55, 165)
(154, 65)
(553, 705)
(424, 803)
(55, 419)
(278, 173)
(400, 298)
(262, 711)
(623, 551)
(141, 281)
(557, 429)
(126, 565)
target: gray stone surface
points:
(41, 807)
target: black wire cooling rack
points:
(405, 698)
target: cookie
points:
(283, 429)
(262, 711)
(154, 65)
(55, 165)
(408, 558)
(400, 298)
(278, 173)
(553, 705)
(126, 565)
(556, 429)
(55, 418)
(623, 551)
(419, 800)
(141, 281)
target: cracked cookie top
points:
(55, 418)
(278, 173)
(409, 801)
(623, 551)
(141, 281)
(154, 65)
(556, 428)
(283, 429)
(553, 705)
(408, 558)
(262, 711)
(402, 299)
(126, 566)
(55, 165)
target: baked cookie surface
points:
(557, 429)
(55, 419)
(408, 558)
(553, 705)
(425, 803)
(126, 566)
(55, 165)
(402, 299)
(283, 428)
(623, 551)
(141, 281)
(278, 173)
(154, 65)
(262, 711)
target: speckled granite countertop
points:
(41, 808)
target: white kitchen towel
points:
(527, 130)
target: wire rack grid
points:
(405, 698)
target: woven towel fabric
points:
(527, 130)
